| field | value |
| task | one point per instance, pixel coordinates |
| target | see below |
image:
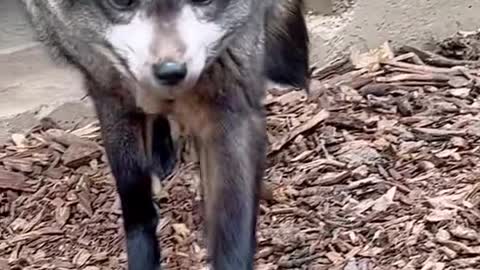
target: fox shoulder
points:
(287, 44)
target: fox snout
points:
(169, 73)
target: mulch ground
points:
(376, 169)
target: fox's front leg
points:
(123, 139)
(232, 162)
(164, 155)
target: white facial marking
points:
(132, 41)
(199, 37)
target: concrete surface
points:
(31, 86)
(323, 7)
(28, 79)
(368, 23)
(14, 30)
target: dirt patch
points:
(378, 169)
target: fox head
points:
(164, 45)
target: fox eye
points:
(123, 4)
(201, 2)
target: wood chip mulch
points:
(377, 169)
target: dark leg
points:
(163, 148)
(123, 139)
(233, 159)
(287, 44)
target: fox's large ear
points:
(287, 44)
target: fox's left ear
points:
(287, 44)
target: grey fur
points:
(223, 111)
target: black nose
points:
(170, 73)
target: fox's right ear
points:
(287, 44)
